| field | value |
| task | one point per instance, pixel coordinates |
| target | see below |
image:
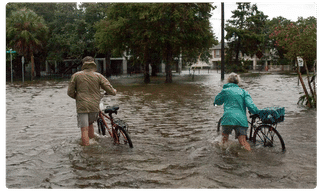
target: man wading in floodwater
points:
(84, 87)
(235, 101)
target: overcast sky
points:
(287, 10)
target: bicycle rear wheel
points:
(268, 136)
(101, 127)
(123, 136)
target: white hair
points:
(234, 78)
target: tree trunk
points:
(309, 82)
(169, 64)
(39, 60)
(314, 85)
(237, 51)
(108, 65)
(168, 73)
(146, 62)
(146, 73)
(304, 89)
(169, 48)
(154, 69)
(32, 67)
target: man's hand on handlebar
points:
(106, 93)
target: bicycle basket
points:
(121, 123)
(272, 115)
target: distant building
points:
(216, 56)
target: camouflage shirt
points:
(85, 86)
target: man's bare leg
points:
(91, 131)
(84, 136)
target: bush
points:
(241, 67)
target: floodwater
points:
(173, 129)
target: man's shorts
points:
(84, 119)
(227, 129)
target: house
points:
(216, 56)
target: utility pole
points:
(222, 41)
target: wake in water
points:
(231, 147)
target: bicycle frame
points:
(111, 130)
(253, 125)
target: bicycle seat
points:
(111, 109)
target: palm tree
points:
(26, 33)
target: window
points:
(217, 53)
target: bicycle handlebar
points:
(254, 116)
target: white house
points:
(216, 56)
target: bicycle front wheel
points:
(123, 136)
(268, 136)
(101, 127)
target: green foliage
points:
(151, 32)
(168, 29)
(243, 67)
(297, 38)
(26, 32)
(92, 13)
(305, 99)
(246, 33)
(283, 61)
(279, 52)
(66, 33)
(300, 39)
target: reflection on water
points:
(173, 128)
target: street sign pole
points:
(10, 51)
(299, 64)
(11, 66)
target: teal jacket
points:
(235, 101)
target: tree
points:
(66, 31)
(235, 29)
(299, 39)
(246, 32)
(168, 29)
(46, 10)
(26, 33)
(92, 13)
(279, 52)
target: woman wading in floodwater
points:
(235, 101)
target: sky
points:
(290, 11)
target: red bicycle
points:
(117, 128)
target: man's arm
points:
(105, 85)
(72, 87)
